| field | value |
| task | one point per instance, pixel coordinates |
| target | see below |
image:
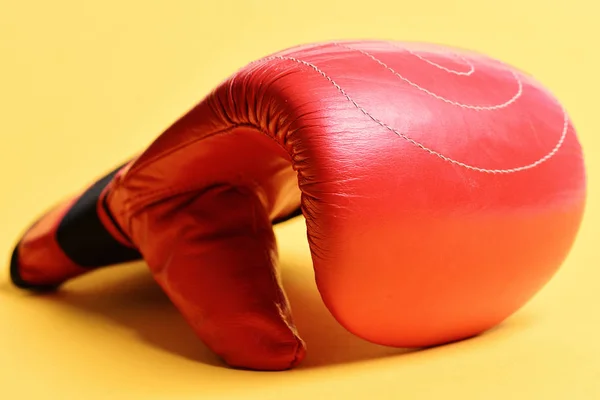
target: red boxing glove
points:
(441, 190)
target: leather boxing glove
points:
(441, 190)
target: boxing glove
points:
(441, 190)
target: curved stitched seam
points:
(156, 195)
(507, 103)
(423, 147)
(450, 71)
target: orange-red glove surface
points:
(441, 190)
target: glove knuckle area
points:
(432, 213)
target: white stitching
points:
(437, 96)
(450, 71)
(534, 164)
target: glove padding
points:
(441, 190)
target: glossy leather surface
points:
(441, 190)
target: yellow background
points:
(83, 85)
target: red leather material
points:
(441, 190)
(41, 260)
